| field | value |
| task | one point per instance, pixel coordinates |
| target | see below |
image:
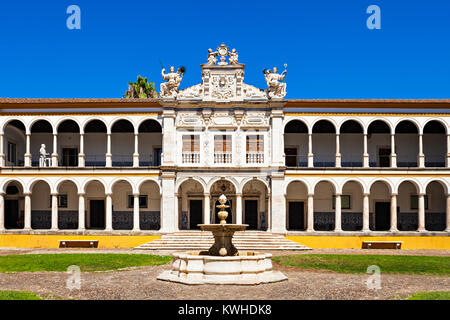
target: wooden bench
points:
(382, 244)
(78, 243)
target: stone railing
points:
(191, 157)
(255, 157)
(223, 157)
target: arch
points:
(356, 180)
(439, 121)
(11, 120)
(384, 121)
(87, 182)
(441, 181)
(332, 122)
(61, 121)
(141, 183)
(301, 121)
(247, 180)
(415, 182)
(116, 180)
(199, 180)
(34, 121)
(33, 182)
(229, 179)
(141, 122)
(358, 121)
(301, 180)
(95, 119)
(62, 180)
(118, 119)
(410, 120)
(8, 181)
(331, 181)
(388, 183)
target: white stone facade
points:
(287, 166)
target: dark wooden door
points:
(97, 211)
(291, 157)
(384, 157)
(12, 218)
(296, 216)
(195, 214)
(382, 216)
(251, 214)
(70, 157)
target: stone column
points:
(55, 150)
(393, 213)
(136, 226)
(310, 227)
(168, 215)
(448, 152)
(238, 208)
(310, 152)
(206, 210)
(81, 155)
(338, 214)
(2, 212)
(108, 155)
(447, 229)
(136, 151)
(421, 213)
(421, 156)
(277, 138)
(108, 212)
(393, 154)
(169, 138)
(54, 212)
(338, 152)
(27, 211)
(366, 213)
(278, 204)
(27, 156)
(81, 212)
(177, 212)
(2, 153)
(365, 154)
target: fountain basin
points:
(198, 267)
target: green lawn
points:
(437, 295)
(18, 295)
(86, 262)
(359, 263)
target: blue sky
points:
(328, 48)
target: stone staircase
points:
(203, 240)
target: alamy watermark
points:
(374, 281)
(73, 22)
(74, 280)
(374, 20)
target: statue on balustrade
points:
(173, 80)
(277, 88)
(43, 158)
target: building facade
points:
(151, 166)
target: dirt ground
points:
(140, 283)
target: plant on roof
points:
(141, 89)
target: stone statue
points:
(233, 57)
(212, 60)
(277, 89)
(170, 88)
(43, 156)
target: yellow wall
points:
(355, 242)
(51, 241)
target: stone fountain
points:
(222, 263)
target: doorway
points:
(97, 214)
(70, 157)
(296, 215)
(382, 216)
(384, 155)
(195, 214)
(251, 214)
(291, 157)
(13, 220)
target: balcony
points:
(255, 157)
(191, 157)
(223, 157)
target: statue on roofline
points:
(173, 80)
(276, 88)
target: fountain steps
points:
(198, 240)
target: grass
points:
(86, 262)
(436, 295)
(424, 265)
(18, 295)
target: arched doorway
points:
(255, 204)
(296, 205)
(380, 207)
(190, 204)
(96, 213)
(14, 205)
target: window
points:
(255, 143)
(191, 143)
(62, 201)
(222, 143)
(345, 202)
(12, 151)
(157, 156)
(143, 201)
(414, 201)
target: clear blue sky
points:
(328, 48)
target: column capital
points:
(421, 194)
(26, 194)
(366, 194)
(54, 193)
(108, 194)
(310, 194)
(206, 194)
(394, 194)
(136, 194)
(81, 193)
(338, 194)
(239, 195)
